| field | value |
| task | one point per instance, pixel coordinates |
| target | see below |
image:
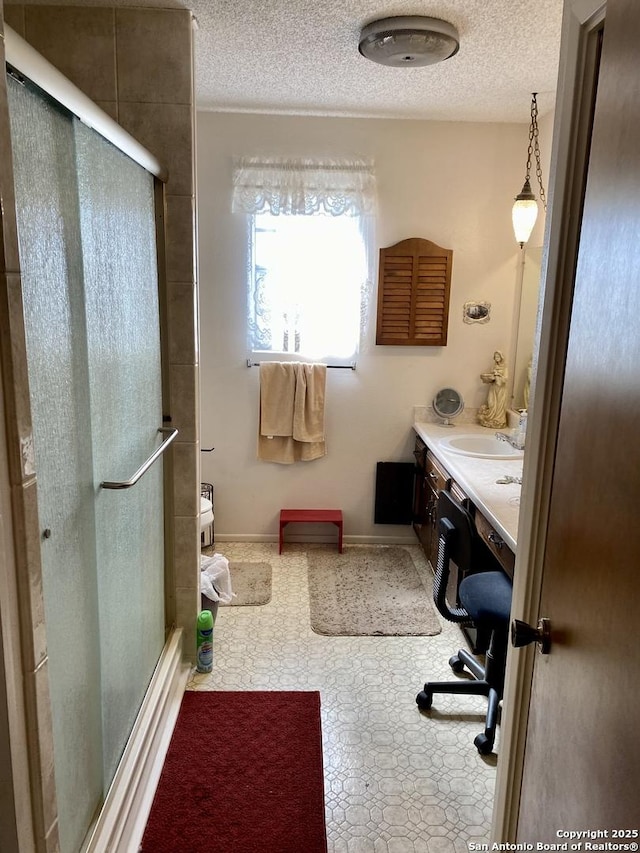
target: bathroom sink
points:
(482, 446)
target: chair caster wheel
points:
(456, 664)
(424, 700)
(483, 744)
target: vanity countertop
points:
(498, 502)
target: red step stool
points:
(307, 516)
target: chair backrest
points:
(465, 545)
(457, 542)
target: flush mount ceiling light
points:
(525, 209)
(408, 41)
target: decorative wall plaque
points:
(476, 312)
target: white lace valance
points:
(304, 187)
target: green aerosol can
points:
(204, 652)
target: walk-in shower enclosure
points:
(90, 225)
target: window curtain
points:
(302, 187)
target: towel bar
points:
(351, 366)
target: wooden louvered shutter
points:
(413, 294)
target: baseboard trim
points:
(121, 822)
(310, 539)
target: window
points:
(306, 285)
(309, 269)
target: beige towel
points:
(277, 394)
(291, 425)
(308, 406)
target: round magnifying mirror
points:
(447, 404)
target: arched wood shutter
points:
(413, 294)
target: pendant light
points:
(525, 208)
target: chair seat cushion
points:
(486, 597)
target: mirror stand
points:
(447, 404)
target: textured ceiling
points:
(301, 57)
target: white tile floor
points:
(396, 780)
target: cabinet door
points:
(413, 294)
(432, 544)
(423, 524)
(419, 507)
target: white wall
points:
(452, 183)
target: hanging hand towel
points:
(277, 394)
(308, 407)
(291, 427)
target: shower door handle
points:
(126, 484)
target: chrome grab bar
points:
(126, 484)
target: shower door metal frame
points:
(28, 62)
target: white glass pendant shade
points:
(408, 41)
(524, 214)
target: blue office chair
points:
(484, 601)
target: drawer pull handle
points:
(433, 475)
(495, 539)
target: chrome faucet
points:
(516, 440)
(517, 436)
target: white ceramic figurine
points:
(494, 412)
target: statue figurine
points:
(494, 412)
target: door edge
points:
(581, 19)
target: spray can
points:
(204, 652)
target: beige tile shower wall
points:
(154, 61)
(137, 64)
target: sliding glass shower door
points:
(117, 226)
(86, 229)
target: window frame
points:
(365, 229)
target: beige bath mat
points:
(251, 583)
(368, 591)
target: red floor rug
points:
(243, 774)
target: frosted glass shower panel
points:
(86, 230)
(52, 287)
(123, 342)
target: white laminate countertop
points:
(498, 502)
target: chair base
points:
(479, 687)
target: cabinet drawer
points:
(420, 452)
(458, 494)
(436, 475)
(496, 544)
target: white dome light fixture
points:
(408, 41)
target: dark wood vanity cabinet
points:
(430, 479)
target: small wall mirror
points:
(447, 404)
